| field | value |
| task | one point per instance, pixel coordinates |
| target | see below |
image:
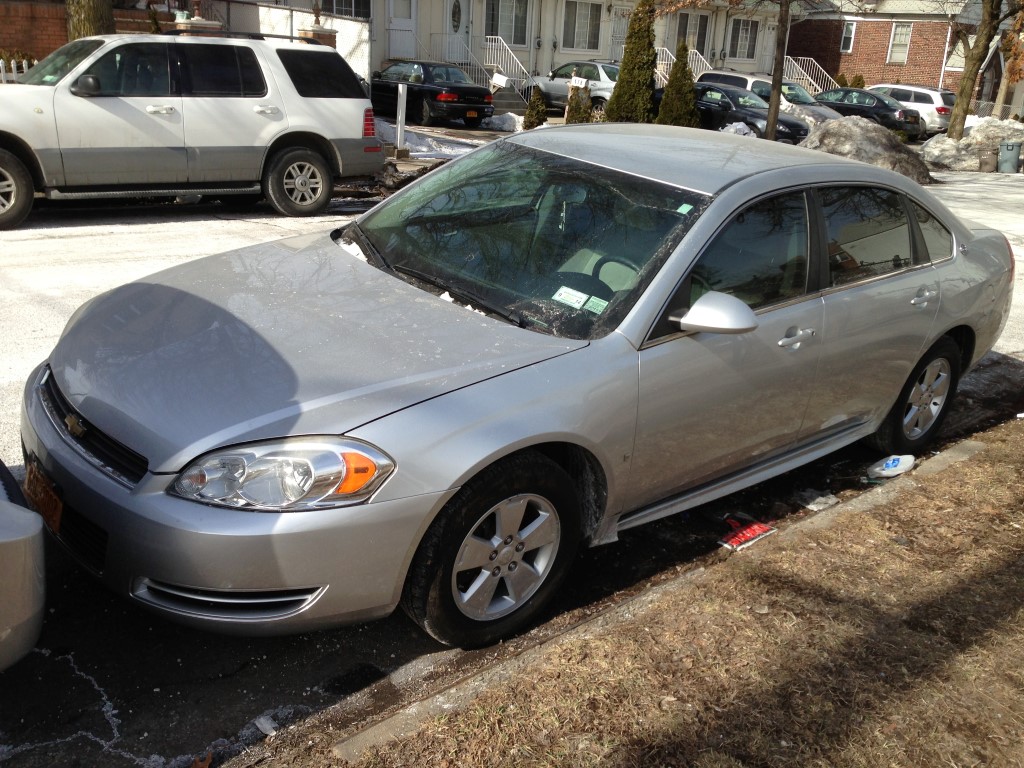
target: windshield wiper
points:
(355, 234)
(465, 296)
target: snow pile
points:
(508, 122)
(980, 136)
(864, 140)
(740, 129)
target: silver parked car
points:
(559, 336)
(22, 579)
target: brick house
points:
(894, 41)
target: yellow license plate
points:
(471, 113)
(42, 497)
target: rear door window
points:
(937, 239)
(222, 70)
(868, 233)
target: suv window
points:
(222, 70)
(320, 74)
(138, 69)
(868, 233)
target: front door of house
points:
(766, 62)
(620, 25)
(458, 31)
(401, 29)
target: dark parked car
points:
(436, 91)
(722, 105)
(882, 109)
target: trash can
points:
(988, 159)
(1009, 156)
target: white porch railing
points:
(808, 73)
(502, 60)
(9, 70)
(666, 59)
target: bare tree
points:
(993, 13)
(1012, 48)
(90, 17)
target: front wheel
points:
(16, 191)
(923, 403)
(298, 182)
(496, 553)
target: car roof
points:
(676, 156)
(930, 88)
(281, 41)
(732, 90)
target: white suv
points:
(156, 115)
(934, 104)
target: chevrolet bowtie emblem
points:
(75, 425)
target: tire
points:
(529, 548)
(9, 488)
(425, 118)
(597, 109)
(758, 133)
(16, 191)
(298, 182)
(924, 401)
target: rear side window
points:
(222, 70)
(949, 99)
(937, 238)
(321, 74)
(868, 233)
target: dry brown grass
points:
(888, 638)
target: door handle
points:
(794, 341)
(265, 109)
(159, 109)
(923, 297)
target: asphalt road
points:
(111, 685)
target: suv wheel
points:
(298, 182)
(15, 191)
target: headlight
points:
(288, 475)
(780, 128)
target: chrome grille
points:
(106, 454)
(230, 604)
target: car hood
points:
(294, 337)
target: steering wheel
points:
(604, 260)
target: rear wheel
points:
(298, 182)
(923, 403)
(597, 109)
(496, 553)
(425, 117)
(16, 191)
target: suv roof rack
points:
(239, 35)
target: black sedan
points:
(882, 109)
(722, 105)
(436, 91)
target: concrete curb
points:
(407, 721)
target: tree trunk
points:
(974, 57)
(781, 38)
(90, 17)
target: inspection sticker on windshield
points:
(574, 299)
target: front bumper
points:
(233, 571)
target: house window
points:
(507, 19)
(848, 29)
(582, 27)
(743, 40)
(357, 8)
(899, 46)
(693, 28)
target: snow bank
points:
(867, 141)
(981, 135)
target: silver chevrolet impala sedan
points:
(559, 336)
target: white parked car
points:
(22, 585)
(162, 115)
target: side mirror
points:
(716, 312)
(86, 85)
(551, 75)
(375, 75)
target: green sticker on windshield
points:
(684, 209)
(595, 305)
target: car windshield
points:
(54, 67)
(449, 75)
(548, 242)
(795, 94)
